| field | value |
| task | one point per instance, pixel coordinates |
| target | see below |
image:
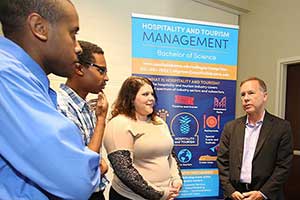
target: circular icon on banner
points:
(184, 124)
(184, 155)
(211, 121)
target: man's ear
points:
(38, 26)
(79, 69)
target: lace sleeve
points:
(122, 164)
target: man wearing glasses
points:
(89, 76)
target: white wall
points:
(268, 33)
(243, 4)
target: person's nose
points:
(78, 49)
(106, 78)
(246, 98)
(151, 98)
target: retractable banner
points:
(193, 66)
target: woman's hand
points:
(174, 189)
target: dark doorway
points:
(292, 113)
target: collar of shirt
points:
(81, 103)
(14, 49)
(258, 123)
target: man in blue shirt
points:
(42, 155)
(90, 76)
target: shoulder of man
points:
(275, 118)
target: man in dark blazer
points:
(256, 150)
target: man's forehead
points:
(68, 11)
(250, 83)
(99, 57)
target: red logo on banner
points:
(211, 121)
(186, 100)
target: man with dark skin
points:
(41, 152)
(89, 76)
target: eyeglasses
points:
(101, 69)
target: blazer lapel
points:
(264, 133)
(240, 130)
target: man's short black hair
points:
(88, 49)
(13, 13)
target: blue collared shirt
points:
(40, 149)
(78, 110)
